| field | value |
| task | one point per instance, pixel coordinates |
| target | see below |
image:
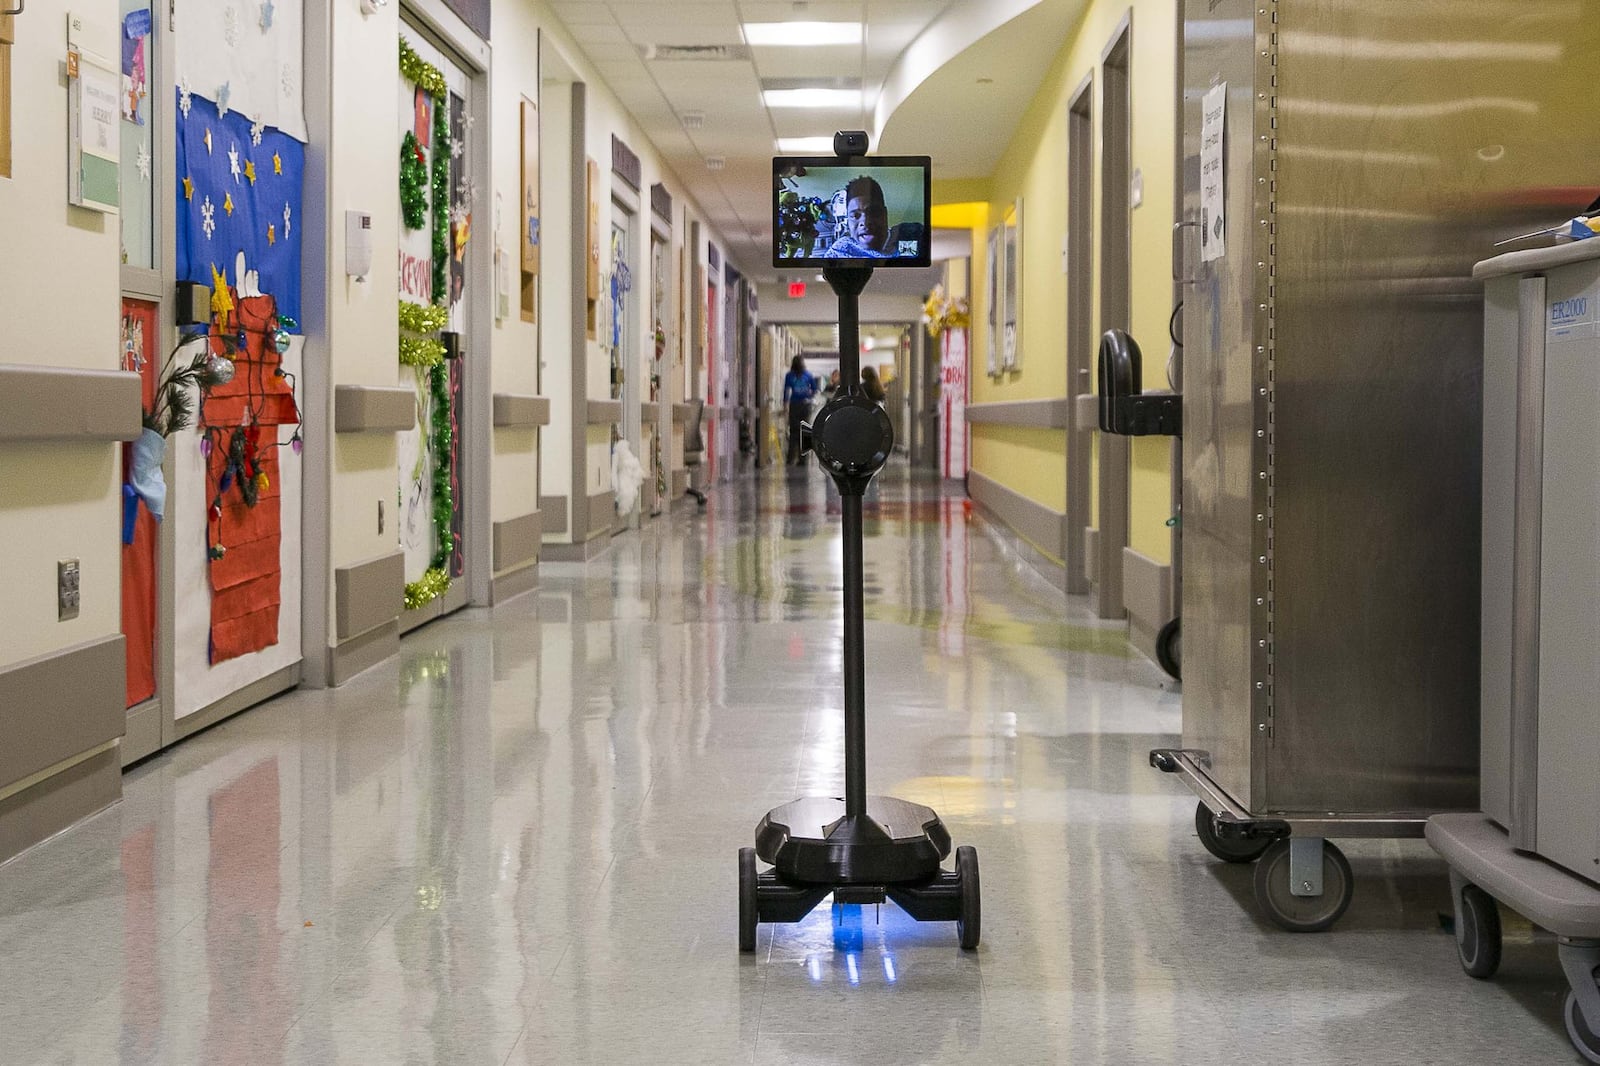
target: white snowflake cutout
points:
(208, 220)
(233, 162)
(456, 147)
(143, 161)
(265, 22)
(184, 97)
(257, 128)
(224, 91)
(287, 225)
(230, 26)
(286, 79)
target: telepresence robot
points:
(862, 849)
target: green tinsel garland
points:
(441, 202)
(443, 496)
(418, 351)
(428, 77)
(428, 353)
(413, 182)
(429, 587)
(420, 318)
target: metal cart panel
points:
(1333, 382)
(1377, 379)
(1223, 331)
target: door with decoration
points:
(436, 194)
(227, 404)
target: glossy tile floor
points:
(516, 844)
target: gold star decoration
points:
(277, 164)
(188, 189)
(227, 204)
(221, 298)
(272, 235)
(208, 142)
(250, 170)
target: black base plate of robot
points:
(892, 852)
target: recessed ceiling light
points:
(801, 34)
(805, 145)
(716, 162)
(816, 98)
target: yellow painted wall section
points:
(1030, 459)
(1150, 503)
(1034, 169)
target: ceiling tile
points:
(587, 33)
(580, 14)
(833, 61)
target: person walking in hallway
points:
(798, 388)
(871, 385)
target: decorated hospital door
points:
(436, 197)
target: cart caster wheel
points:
(1169, 648)
(1303, 914)
(1478, 932)
(1580, 1032)
(1228, 849)
(970, 924)
(748, 916)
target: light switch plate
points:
(67, 592)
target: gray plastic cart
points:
(1484, 867)
(1536, 847)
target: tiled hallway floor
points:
(516, 844)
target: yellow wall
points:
(1034, 169)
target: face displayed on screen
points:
(872, 211)
(866, 215)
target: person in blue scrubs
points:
(798, 388)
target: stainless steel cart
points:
(1351, 170)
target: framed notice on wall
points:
(94, 134)
(592, 289)
(994, 293)
(528, 212)
(8, 37)
(1011, 289)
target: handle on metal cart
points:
(1125, 408)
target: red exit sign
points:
(797, 290)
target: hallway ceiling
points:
(707, 117)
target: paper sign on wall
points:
(93, 178)
(1213, 174)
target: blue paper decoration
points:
(264, 223)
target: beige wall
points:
(555, 285)
(55, 502)
(605, 116)
(514, 481)
(361, 330)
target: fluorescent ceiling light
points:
(801, 33)
(805, 145)
(816, 98)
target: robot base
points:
(892, 852)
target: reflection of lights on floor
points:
(855, 964)
(859, 946)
